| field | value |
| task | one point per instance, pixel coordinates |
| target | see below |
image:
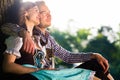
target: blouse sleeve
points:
(13, 44)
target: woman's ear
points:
(26, 13)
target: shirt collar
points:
(43, 38)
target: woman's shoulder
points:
(14, 38)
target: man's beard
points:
(43, 26)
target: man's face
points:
(45, 16)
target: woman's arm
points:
(9, 65)
(14, 44)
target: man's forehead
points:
(43, 8)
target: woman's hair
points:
(16, 13)
(24, 7)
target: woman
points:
(26, 15)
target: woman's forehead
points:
(33, 8)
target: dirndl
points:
(64, 74)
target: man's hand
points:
(102, 61)
(28, 43)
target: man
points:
(47, 40)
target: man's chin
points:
(37, 23)
(49, 24)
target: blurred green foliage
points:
(77, 42)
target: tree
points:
(108, 49)
(4, 6)
(69, 41)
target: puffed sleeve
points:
(13, 44)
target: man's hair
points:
(40, 3)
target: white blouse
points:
(14, 44)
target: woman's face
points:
(33, 15)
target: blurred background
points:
(84, 26)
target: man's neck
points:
(43, 30)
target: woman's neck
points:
(29, 27)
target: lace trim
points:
(14, 52)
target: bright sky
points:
(84, 13)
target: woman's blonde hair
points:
(24, 7)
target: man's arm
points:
(16, 30)
(72, 57)
(12, 29)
